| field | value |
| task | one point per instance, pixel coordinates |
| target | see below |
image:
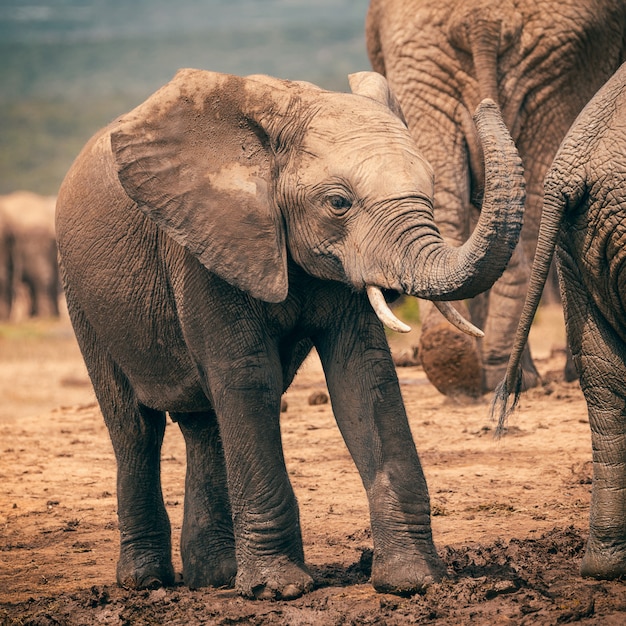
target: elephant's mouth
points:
(383, 312)
(388, 318)
(391, 295)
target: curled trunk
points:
(441, 272)
(449, 273)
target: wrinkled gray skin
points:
(28, 253)
(584, 214)
(208, 240)
(541, 61)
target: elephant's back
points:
(93, 219)
(90, 183)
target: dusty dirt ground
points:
(510, 517)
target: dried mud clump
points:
(451, 361)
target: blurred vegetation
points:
(34, 329)
(407, 309)
(44, 137)
(69, 67)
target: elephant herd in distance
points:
(247, 211)
(29, 274)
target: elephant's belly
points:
(163, 375)
(166, 383)
(172, 396)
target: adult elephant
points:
(208, 240)
(583, 217)
(28, 253)
(541, 61)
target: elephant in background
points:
(28, 253)
(583, 218)
(208, 240)
(541, 61)
(6, 268)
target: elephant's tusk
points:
(384, 313)
(456, 319)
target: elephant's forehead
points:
(392, 171)
(389, 168)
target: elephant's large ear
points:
(375, 86)
(196, 160)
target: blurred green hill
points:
(68, 67)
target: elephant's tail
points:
(485, 32)
(555, 203)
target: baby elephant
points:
(584, 218)
(208, 240)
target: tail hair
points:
(501, 405)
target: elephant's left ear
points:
(195, 160)
(375, 86)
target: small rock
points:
(318, 397)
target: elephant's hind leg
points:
(207, 540)
(136, 433)
(599, 356)
(145, 534)
(605, 556)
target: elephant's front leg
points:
(268, 543)
(370, 413)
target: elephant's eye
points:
(339, 204)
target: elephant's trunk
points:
(450, 273)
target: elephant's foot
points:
(275, 578)
(604, 560)
(209, 568)
(451, 360)
(208, 552)
(403, 575)
(144, 570)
